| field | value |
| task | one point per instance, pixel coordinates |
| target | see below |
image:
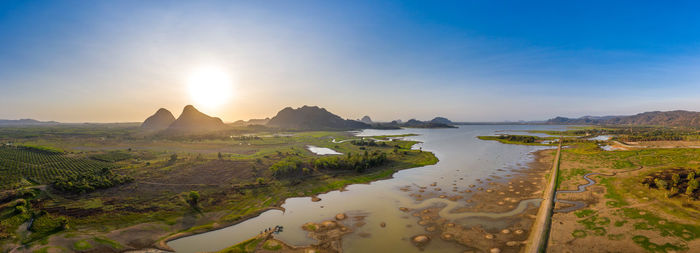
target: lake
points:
(461, 155)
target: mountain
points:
(24, 122)
(158, 121)
(441, 120)
(656, 118)
(312, 118)
(251, 122)
(366, 119)
(193, 121)
(414, 123)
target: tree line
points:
(296, 167)
(83, 183)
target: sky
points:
(119, 61)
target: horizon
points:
(75, 62)
(358, 119)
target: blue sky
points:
(103, 61)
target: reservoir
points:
(464, 160)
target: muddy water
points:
(461, 155)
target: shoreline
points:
(161, 244)
(524, 185)
(507, 238)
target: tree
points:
(193, 199)
(676, 178)
(173, 158)
(692, 185)
(661, 184)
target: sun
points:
(210, 87)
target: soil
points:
(495, 195)
(613, 231)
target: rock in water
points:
(420, 240)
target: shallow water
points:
(461, 155)
(322, 151)
(601, 138)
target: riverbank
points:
(386, 172)
(498, 208)
(497, 213)
(385, 219)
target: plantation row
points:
(42, 167)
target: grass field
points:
(622, 211)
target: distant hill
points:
(312, 118)
(366, 119)
(158, 121)
(428, 124)
(441, 120)
(251, 122)
(193, 121)
(656, 118)
(24, 122)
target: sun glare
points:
(210, 87)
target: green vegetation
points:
(270, 245)
(584, 213)
(674, 182)
(244, 247)
(519, 139)
(97, 185)
(579, 233)
(193, 199)
(646, 244)
(82, 183)
(112, 156)
(18, 163)
(632, 133)
(41, 149)
(660, 186)
(82, 245)
(108, 242)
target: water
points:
(608, 148)
(322, 151)
(461, 155)
(601, 138)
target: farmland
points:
(20, 165)
(108, 180)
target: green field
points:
(19, 164)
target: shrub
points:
(193, 199)
(692, 185)
(676, 178)
(661, 184)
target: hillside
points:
(193, 121)
(656, 118)
(312, 118)
(158, 121)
